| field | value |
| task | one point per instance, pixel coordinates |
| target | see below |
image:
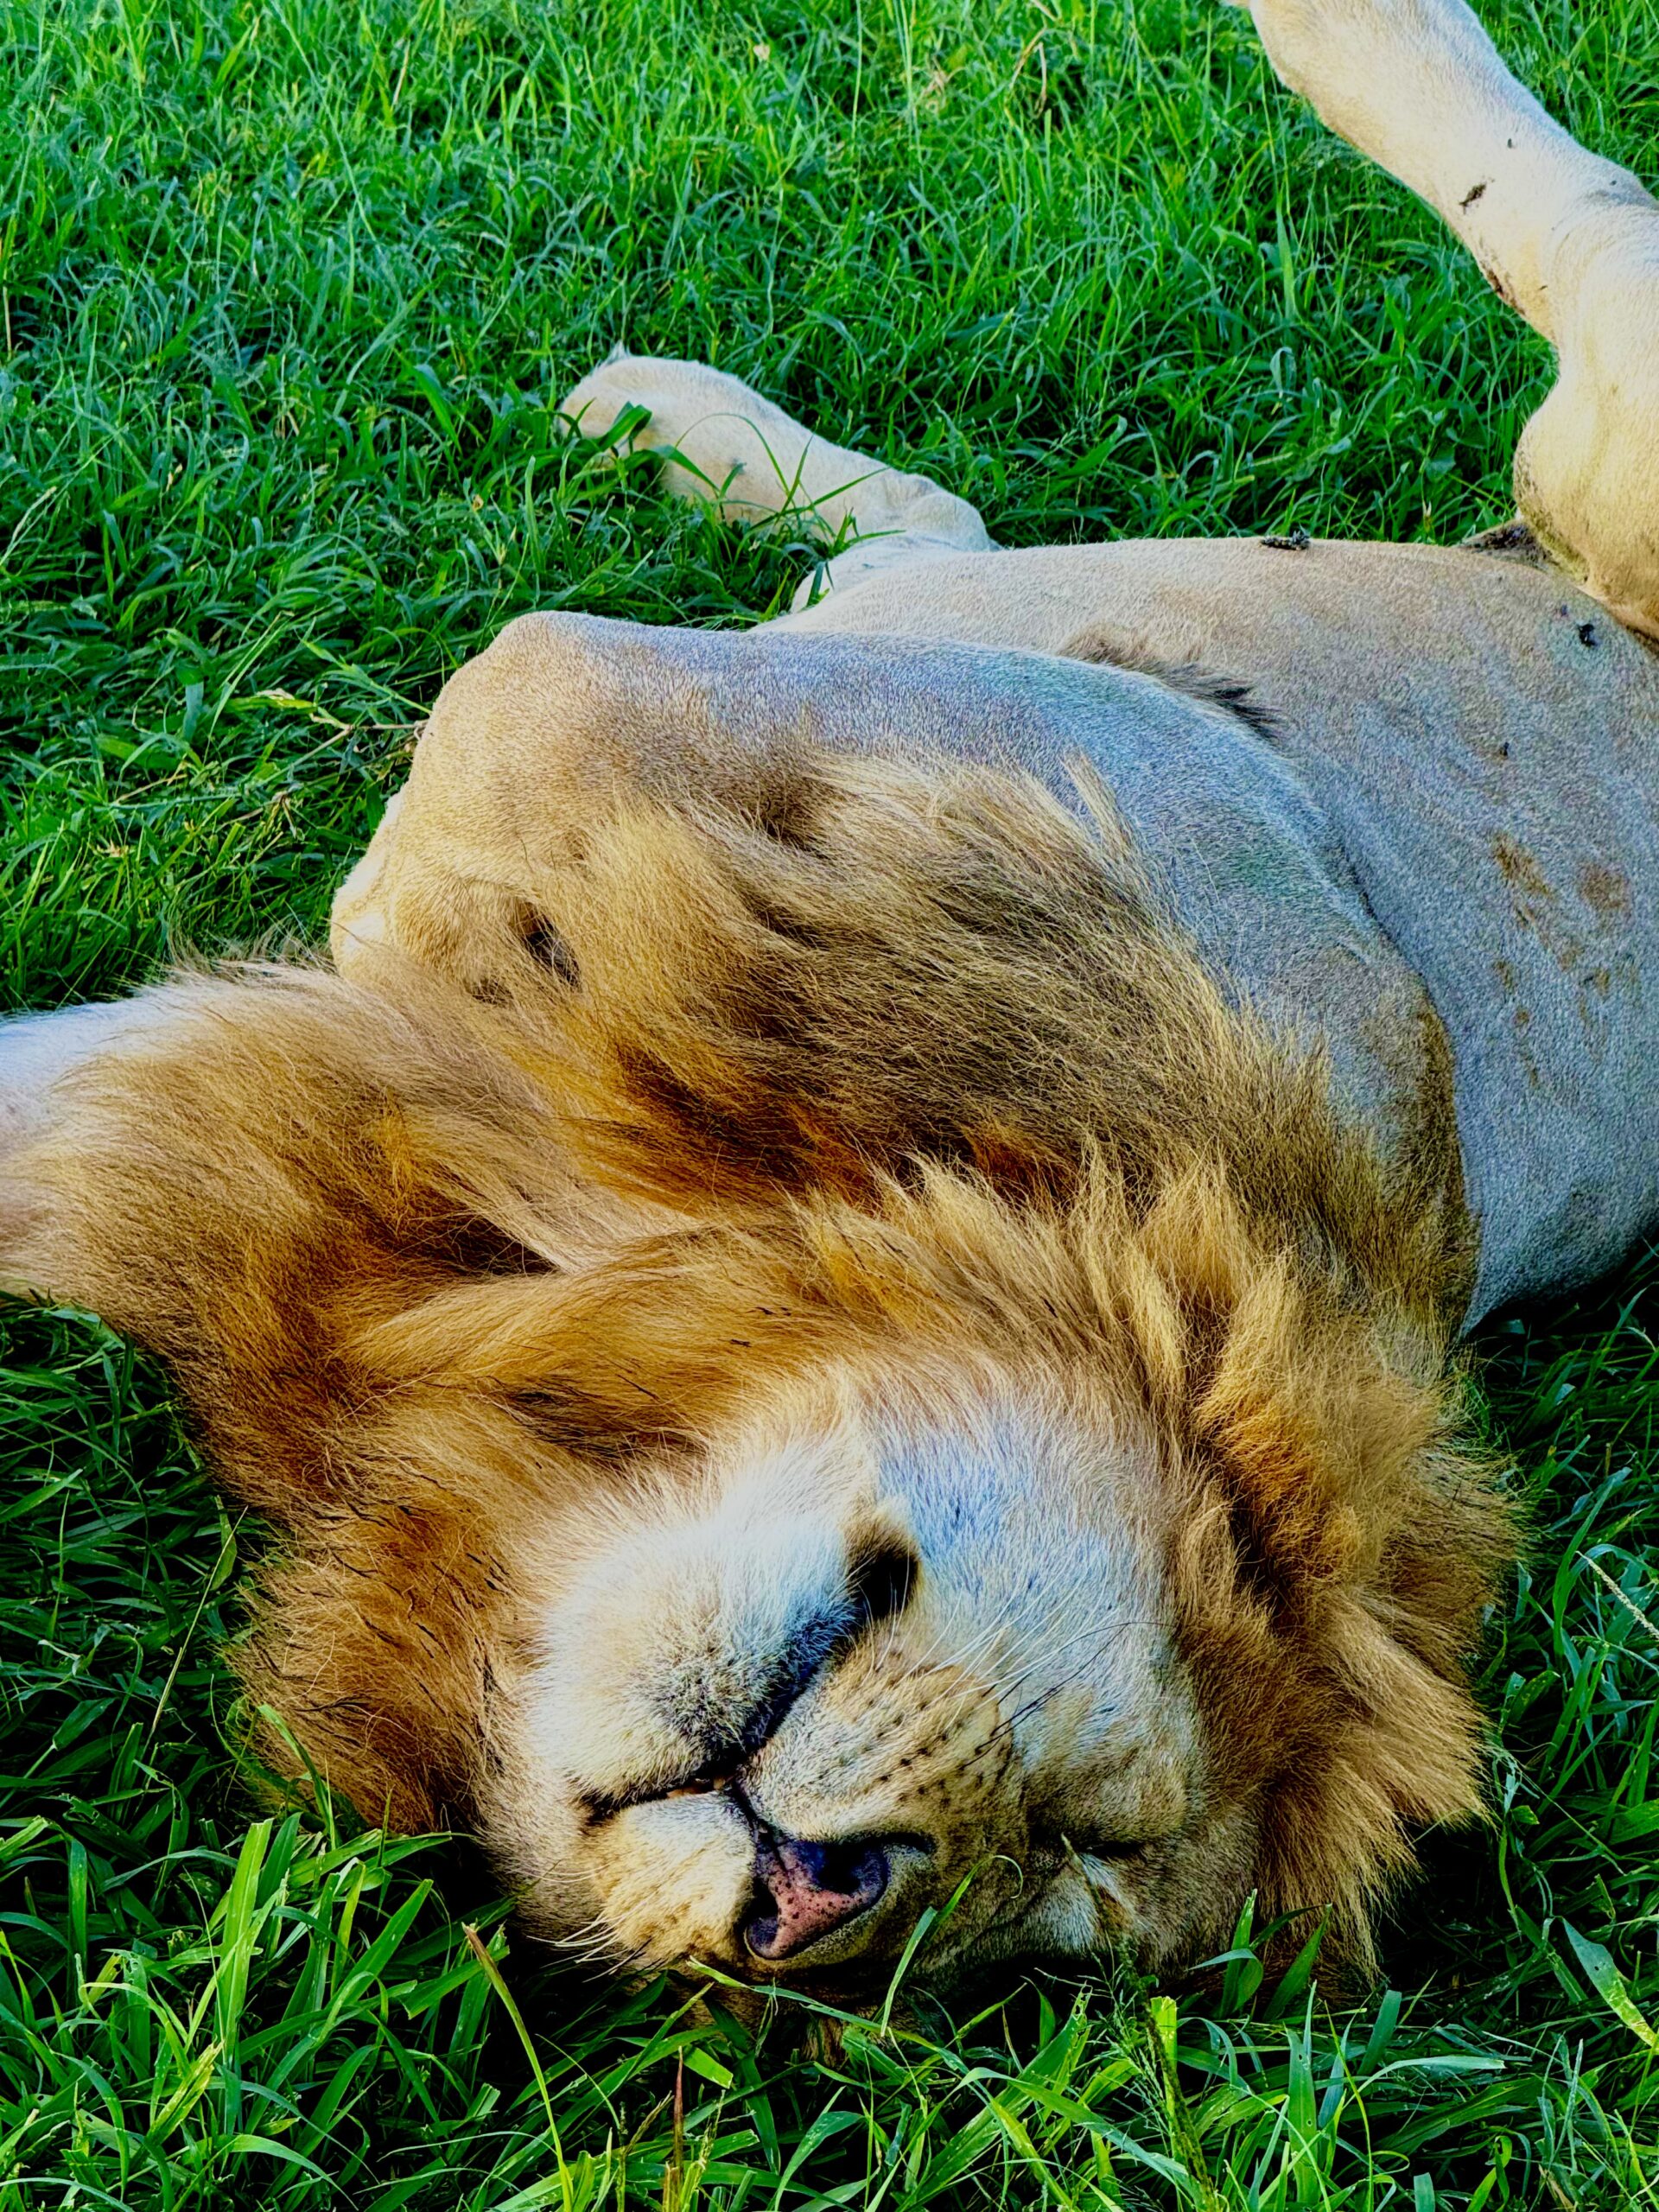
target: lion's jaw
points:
(939, 1637)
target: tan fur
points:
(922, 1092)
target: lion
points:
(847, 1298)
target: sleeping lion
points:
(846, 1298)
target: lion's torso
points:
(1477, 744)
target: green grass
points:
(288, 293)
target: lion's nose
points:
(814, 1888)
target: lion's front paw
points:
(721, 439)
(622, 382)
(684, 401)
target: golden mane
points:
(898, 1061)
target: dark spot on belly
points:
(1530, 1065)
(1587, 635)
(1498, 285)
(1475, 192)
(1607, 889)
(1518, 867)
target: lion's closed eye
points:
(881, 1575)
(1117, 1850)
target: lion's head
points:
(896, 1636)
(868, 1392)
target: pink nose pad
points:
(814, 1888)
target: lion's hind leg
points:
(723, 442)
(1570, 240)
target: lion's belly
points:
(1484, 742)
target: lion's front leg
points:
(723, 442)
(1570, 240)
